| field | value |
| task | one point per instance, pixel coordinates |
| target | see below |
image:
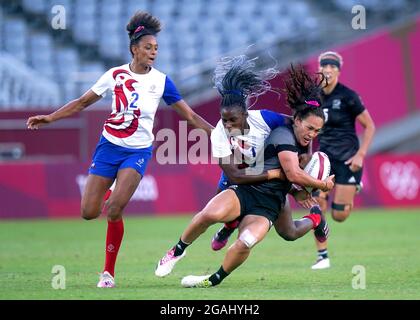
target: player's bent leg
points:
(128, 180)
(221, 237)
(290, 229)
(93, 196)
(252, 230)
(224, 206)
(343, 202)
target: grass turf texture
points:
(385, 242)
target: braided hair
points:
(237, 80)
(141, 24)
(303, 93)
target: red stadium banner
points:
(32, 189)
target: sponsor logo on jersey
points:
(336, 104)
(352, 180)
(152, 89)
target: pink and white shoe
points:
(106, 280)
(167, 263)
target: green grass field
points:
(385, 242)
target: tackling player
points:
(258, 204)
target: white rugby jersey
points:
(261, 122)
(135, 99)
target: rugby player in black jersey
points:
(343, 108)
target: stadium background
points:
(42, 67)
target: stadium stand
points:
(195, 33)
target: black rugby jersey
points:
(338, 137)
(280, 139)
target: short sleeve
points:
(220, 147)
(170, 93)
(272, 119)
(355, 103)
(103, 84)
(282, 140)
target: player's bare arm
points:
(241, 176)
(193, 119)
(65, 111)
(356, 161)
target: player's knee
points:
(113, 210)
(289, 235)
(340, 212)
(89, 213)
(248, 239)
(210, 217)
(340, 216)
(240, 247)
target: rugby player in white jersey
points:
(125, 146)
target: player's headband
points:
(140, 32)
(235, 92)
(333, 62)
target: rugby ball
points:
(318, 167)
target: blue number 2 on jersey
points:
(133, 104)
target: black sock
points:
(218, 276)
(323, 254)
(180, 247)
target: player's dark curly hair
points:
(236, 80)
(303, 93)
(141, 24)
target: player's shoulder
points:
(268, 117)
(286, 129)
(347, 91)
(157, 72)
(123, 68)
(282, 134)
(254, 114)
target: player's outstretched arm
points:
(185, 111)
(74, 106)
